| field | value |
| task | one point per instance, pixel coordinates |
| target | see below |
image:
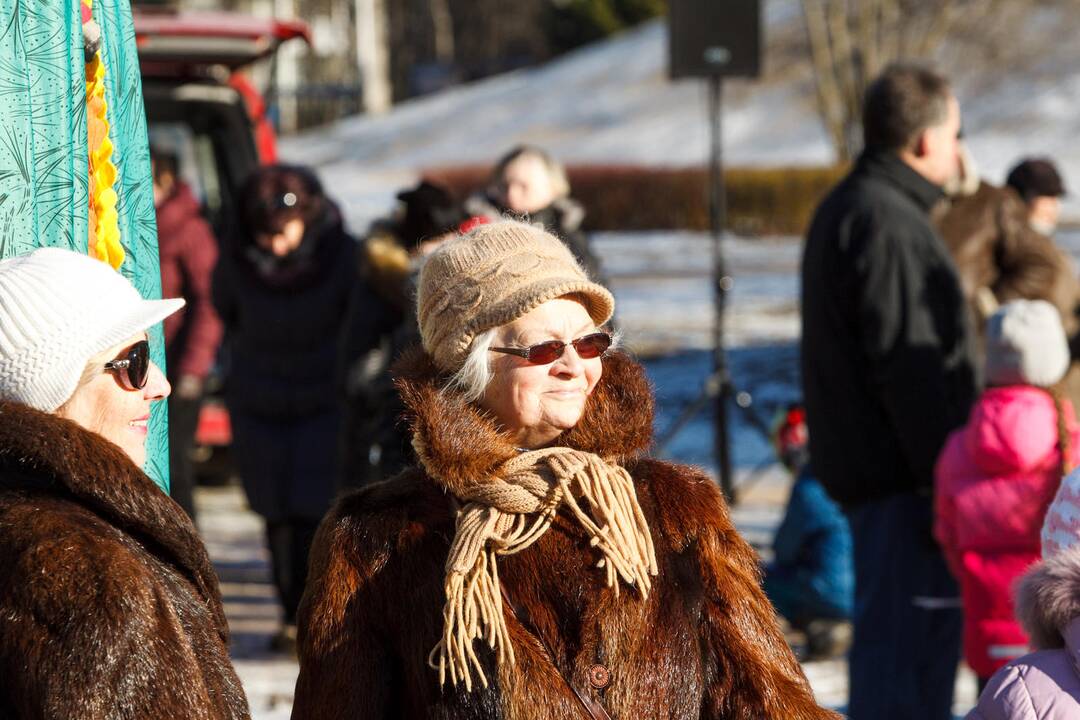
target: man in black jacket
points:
(887, 373)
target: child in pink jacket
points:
(1045, 685)
(997, 475)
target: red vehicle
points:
(201, 104)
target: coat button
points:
(599, 676)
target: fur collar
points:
(464, 441)
(1048, 598)
(45, 453)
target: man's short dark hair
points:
(1036, 177)
(902, 102)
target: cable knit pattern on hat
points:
(492, 276)
(57, 310)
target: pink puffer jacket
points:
(995, 479)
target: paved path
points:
(234, 538)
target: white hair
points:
(474, 375)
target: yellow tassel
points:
(104, 241)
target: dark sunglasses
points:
(588, 347)
(133, 367)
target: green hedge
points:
(760, 201)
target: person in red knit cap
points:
(811, 580)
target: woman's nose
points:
(515, 198)
(570, 364)
(157, 386)
(279, 245)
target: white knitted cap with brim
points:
(491, 277)
(58, 309)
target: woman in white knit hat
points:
(534, 564)
(109, 606)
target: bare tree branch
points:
(830, 97)
(442, 22)
(870, 12)
(850, 42)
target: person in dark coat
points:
(109, 607)
(529, 184)
(375, 443)
(188, 252)
(534, 564)
(887, 373)
(1000, 257)
(282, 289)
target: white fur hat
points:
(58, 309)
(1026, 345)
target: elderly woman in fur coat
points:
(534, 564)
(109, 607)
(1045, 684)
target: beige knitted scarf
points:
(507, 513)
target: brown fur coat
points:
(109, 607)
(994, 248)
(705, 644)
(1000, 258)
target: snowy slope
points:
(609, 102)
(612, 102)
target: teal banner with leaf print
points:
(44, 166)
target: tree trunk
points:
(851, 42)
(829, 94)
(373, 54)
(442, 22)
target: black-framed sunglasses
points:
(133, 367)
(588, 347)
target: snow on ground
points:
(609, 102)
(612, 102)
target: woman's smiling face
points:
(537, 403)
(103, 405)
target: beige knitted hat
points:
(492, 276)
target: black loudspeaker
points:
(715, 38)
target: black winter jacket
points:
(284, 320)
(887, 366)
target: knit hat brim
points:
(144, 315)
(598, 302)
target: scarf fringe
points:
(509, 513)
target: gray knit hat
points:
(492, 276)
(58, 309)
(1026, 345)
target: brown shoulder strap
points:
(591, 704)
